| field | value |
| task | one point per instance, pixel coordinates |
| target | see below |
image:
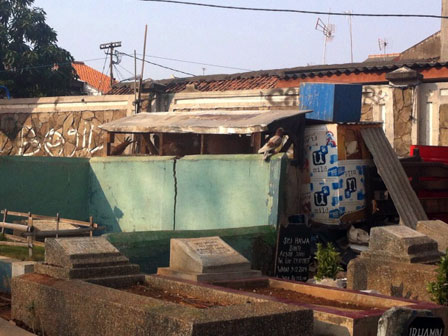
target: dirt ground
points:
(307, 299)
(178, 298)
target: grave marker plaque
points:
(207, 259)
(425, 325)
(293, 252)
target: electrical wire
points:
(125, 69)
(159, 65)
(297, 11)
(199, 63)
(102, 75)
(119, 74)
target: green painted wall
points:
(151, 250)
(227, 191)
(127, 194)
(132, 193)
(45, 185)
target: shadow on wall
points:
(100, 208)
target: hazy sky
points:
(247, 40)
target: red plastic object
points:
(432, 153)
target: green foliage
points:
(439, 288)
(328, 260)
(32, 65)
(2, 237)
(21, 252)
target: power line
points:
(102, 73)
(298, 11)
(199, 63)
(159, 65)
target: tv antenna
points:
(328, 31)
(110, 46)
(382, 44)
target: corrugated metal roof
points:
(267, 79)
(204, 122)
(394, 177)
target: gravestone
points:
(403, 321)
(293, 252)
(400, 243)
(94, 260)
(437, 230)
(206, 260)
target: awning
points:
(201, 122)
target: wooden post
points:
(147, 140)
(4, 219)
(202, 144)
(161, 144)
(30, 238)
(256, 137)
(91, 226)
(57, 225)
(110, 138)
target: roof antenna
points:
(382, 44)
(328, 31)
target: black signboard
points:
(293, 250)
(425, 326)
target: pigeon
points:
(269, 148)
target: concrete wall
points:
(58, 126)
(229, 190)
(45, 185)
(132, 193)
(147, 193)
(192, 193)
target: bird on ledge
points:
(269, 148)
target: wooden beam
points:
(110, 138)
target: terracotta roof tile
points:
(92, 77)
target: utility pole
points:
(111, 46)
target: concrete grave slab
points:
(206, 259)
(73, 307)
(400, 243)
(437, 230)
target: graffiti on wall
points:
(53, 143)
(66, 134)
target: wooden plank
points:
(202, 144)
(13, 226)
(394, 177)
(62, 233)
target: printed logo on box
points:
(321, 197)
(350, 187)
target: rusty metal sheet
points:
(394, 177)
(203, 122)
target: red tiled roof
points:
(221, 84)
(261, 82)
(94, 78)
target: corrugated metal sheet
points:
(391, 171)
(204, 122)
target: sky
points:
(240, 40)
